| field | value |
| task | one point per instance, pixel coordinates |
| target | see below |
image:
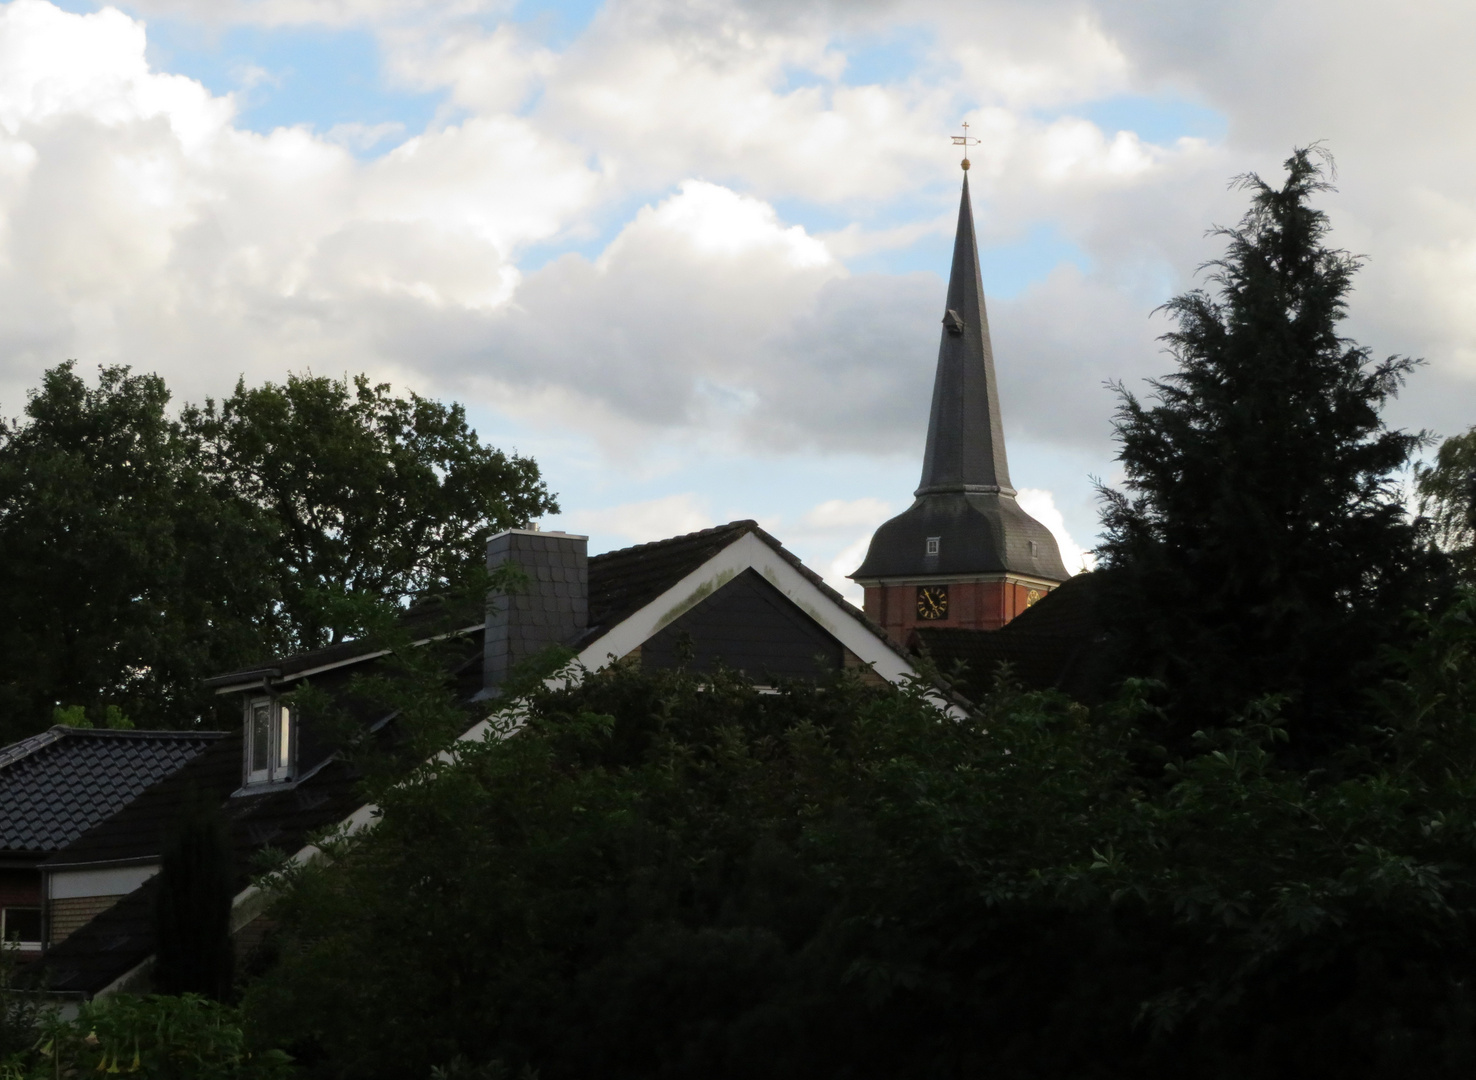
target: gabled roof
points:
(56, 785)
(624, 581)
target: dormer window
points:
(271, 737)
(932, 548)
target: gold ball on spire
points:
(964, 164)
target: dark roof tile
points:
(56, 785)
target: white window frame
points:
(19, 943)
(279, 744)
(934, 542)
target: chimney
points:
(550, 608)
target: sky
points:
(690, 254)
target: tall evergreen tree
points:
(1261, 546)
(192, 905)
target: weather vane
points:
(965, 141)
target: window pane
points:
(284, 742)
(22, 924)
(261, 732)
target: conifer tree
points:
(193, 906)
(1261, 546)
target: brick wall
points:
(972, 605)
(74, 912)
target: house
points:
(731, 595)
(54, 787)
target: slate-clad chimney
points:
(550, 608)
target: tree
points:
(368, 493)
(125, 575)
(1261, 545)
(142, 552)
(658, 874)
(192, 905)
(1448, 496)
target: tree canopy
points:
(143, 550)
(663, 874)
(1261, 544)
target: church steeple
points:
(963, 554)
(966, 450)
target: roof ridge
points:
(136, 733)
(18, 751)
(748, 522)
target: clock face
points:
(1032, 596)
(932, 602)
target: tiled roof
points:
(56, 785)
(424, 619)
(118, 940)
(1050, 645)
(621, 582)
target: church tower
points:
(963, 554)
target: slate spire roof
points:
(966, 450)
(965, 501)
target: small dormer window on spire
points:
(271, 741)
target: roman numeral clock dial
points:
(932, 602)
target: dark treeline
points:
(143, 549)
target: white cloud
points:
(642, 522)
(1041, 505)
(848, 514)
(139, 223)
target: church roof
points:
(966, 450)
(965, 519)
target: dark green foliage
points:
(141, 553)
(125, 575)
(153, 1038)
(192, 905)
(369, 494)
(1261, 545)
(22, 1015)
(1448, 496)
(658, 876)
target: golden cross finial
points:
(966, 141)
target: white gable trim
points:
(747, 552)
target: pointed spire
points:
(966, 451)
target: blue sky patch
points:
(1159, 120)
(557, 22)
(293, 75)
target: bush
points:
(157, 1037)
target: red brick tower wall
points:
(972, 605)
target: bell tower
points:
(963, 554)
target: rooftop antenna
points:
(966, 141)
